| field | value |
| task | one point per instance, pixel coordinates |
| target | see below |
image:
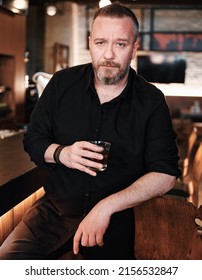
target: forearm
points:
(148, 186)
(92, 228)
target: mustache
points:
(109, 64)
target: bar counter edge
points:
(19, 177)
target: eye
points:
(120, 45)
(100, 43)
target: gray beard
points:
(113, 80)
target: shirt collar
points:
(125, 93)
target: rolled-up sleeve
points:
(161, 153)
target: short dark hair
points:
(117, 10)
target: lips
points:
(110, 64)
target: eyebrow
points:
(117, 39)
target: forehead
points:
(116, 27)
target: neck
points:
(109, 92)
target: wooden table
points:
(19, 177)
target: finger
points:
(76, 242)
(85, 169)
(92, 240)
(99, 240)
(90, 163)
(85, 240)
(92, 155)
(92, 147)
(86, 161)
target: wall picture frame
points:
(161, 41)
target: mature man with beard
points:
(83, 210)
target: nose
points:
(109, 52)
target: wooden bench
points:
(168, 229)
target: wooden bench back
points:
(165, 229)
(196, 176)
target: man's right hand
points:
(80, 156)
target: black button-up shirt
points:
(137, 123)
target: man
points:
(105, 100)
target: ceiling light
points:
(51, 10)
(20, 5)
(103, 3)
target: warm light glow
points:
(51, 10)
(182, 90)
(103, 3)
(26, 81)
(19, 4)
(157, 58)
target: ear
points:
(89, 41)
(135, 48)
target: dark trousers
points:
(45, 234)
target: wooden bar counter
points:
(19, 177)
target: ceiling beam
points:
(132, 2)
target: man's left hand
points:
(92, 228)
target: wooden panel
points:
(13, 38)
(6, 225)
(166, 229)
(11, 219)
(7, 66)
